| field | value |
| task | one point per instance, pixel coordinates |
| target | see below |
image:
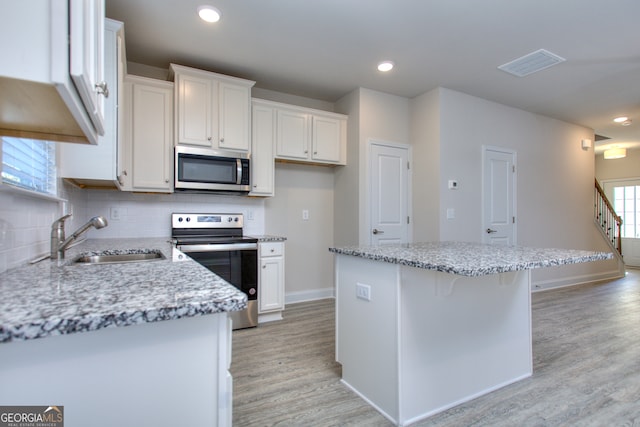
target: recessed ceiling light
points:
(385, 66)
(209, 13)
(621, 119)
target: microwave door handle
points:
(238, 171)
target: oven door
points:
(237, 263)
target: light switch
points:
(305, 215)
(451, 213)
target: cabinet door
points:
(292, 135)
(234, 107)
(262, 163)
(89, 163)
(152, 132)
(196, 110)
(326, 139)
(271, 293)
(86, 49)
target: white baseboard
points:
(312, 295)
(545, 285)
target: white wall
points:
(554, 179)
(308, 262)
(372, 116)
(347, 196)
(627, 167)
(425, 138)
(385, 118)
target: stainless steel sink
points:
(110, 258)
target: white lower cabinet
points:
(271, 279)
(148, 137)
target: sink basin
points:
(110, 258)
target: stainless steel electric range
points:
(217, 242)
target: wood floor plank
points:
(586, 350)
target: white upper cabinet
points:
(86, 64)
(292, 136)
(212, 110)
(42, 44)
(310, 136)
(148, 135)
(327, 140)
(263, 134)
(97, 165)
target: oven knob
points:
(237, 219)
(229, 219)
(188, 219)
(179, 219)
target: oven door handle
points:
(218, 247)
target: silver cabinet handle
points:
(102, 89)
(489, 231)
(376, 231)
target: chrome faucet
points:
(58, 242)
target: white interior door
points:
(389, 184)
(499, 195)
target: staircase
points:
(606, 218)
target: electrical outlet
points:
(363, 291)
(305, 215)
(116, 214)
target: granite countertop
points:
(268, 238)
(56, 297)
(471, 259)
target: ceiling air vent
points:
(531, 63)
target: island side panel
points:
(167, 373)
(367, 331)
(461, 337)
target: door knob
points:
(489, 231)
(376, 231)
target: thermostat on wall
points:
(453, 184)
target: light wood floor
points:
(586, 350)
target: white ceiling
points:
(324, 49)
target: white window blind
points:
(29, 164)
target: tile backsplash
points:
(149, 215)
(25, 222)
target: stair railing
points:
(607, 218)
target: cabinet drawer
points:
(271, 249)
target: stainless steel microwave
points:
(204, 169)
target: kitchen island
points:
(141, 343)
(423, 327)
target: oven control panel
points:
(204, 220)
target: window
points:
(626, 203)
(29, 164)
